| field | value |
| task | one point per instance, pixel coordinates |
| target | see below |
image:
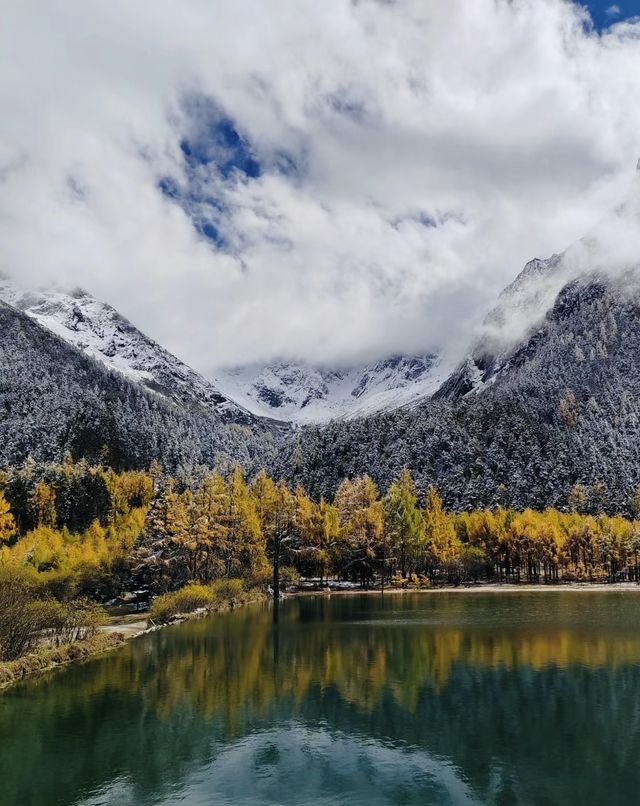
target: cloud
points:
(613, 11)
(331, 181)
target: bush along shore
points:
(196, 599)
(39, 633)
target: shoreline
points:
(35, 663)
(484, 587)
(116, 634)
(124, 628)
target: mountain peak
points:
(300, 392)
(103, 334)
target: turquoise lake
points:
(436, 698)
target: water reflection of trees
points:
(161, 706)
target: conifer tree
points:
(247, 554)
(403, 520)
(43, 505)
(319, 530)
(440, 532)
(7, 521)
(361, 525)
(280, 530)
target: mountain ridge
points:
(611, 247)
(56, 399)
(567, 412)
(302, 393)
(102, 333)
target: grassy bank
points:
(194, 601)
(51, 657)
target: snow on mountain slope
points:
(280, 391)
(611, 248)
(103, 334)
(302, 393)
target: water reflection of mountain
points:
(541, 708)
(295, 764)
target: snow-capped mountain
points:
(299, 392)
(103, 334)
(55, 399)
(520, 308)
(611, 248)
(282, 391)
(548, 398)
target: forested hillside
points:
(54, 399)
(563, 409)
(559, 409)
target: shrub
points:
(260, 577)
(28, 614)
(227, 591)
(194, 597)
(22, 615)
(58, 585)
(102, 581)
(289, 577)
(186, 600)
(75, 621)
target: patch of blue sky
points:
(205, 211)
(211, 233)
(605, 13)
(220, 144)
(214, 139)
(214, 151)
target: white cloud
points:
(613, 11)
(510, 124)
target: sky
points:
(333, 182)
(605, 13)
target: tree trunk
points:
(276, 570)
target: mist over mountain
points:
(611, 249)
(548, 396)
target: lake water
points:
(446, 698)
